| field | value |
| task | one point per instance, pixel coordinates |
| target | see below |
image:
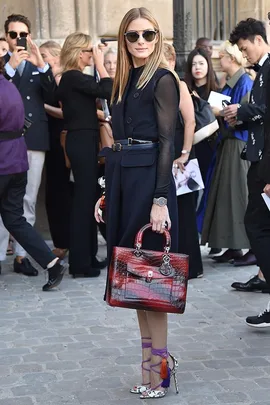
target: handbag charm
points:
(146, 279)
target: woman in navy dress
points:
(139, 182)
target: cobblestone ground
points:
(66, 347)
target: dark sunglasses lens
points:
(23, 34)
(268, 15)
(149, 36)
(132, 36)
(13, 34)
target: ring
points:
(175, 166)
(163, 225)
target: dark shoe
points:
(228, 256)
(85, 272)
(247, 260)
(96, 264)
(25, 267)
(214, 251)
(254, 284)
(260, 321)
(56, 274)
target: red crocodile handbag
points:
(146, 279)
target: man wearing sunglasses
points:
(27, 70)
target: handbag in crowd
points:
(148, 280)
(206, 122)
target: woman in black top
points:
(139, 182)
(200, 77)
(78, 92)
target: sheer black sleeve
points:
(167, 110)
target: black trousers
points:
(257, 221)
(12, 191)
(58, 195)
(82, 150)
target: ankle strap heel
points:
(165, 373)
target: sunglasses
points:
(148, 35)
(268, 15)
(14, 34)
(87, 50)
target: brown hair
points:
(17, 18)
(124, 60)
(189, 79)
(2, 66)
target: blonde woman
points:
(78, 92)
(139, 183)
(223, 224)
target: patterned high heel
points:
(165, 374)
(139, 389)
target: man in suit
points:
(250, 36)
(31, 75)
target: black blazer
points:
(264, 166)
(32, 85)
(252, 114)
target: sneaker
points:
(260, 321)
(56, 274)
(25, 267)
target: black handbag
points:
(206, 122)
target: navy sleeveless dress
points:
(135, 176)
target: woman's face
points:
(225, 61)
(199, 68)
(86, 57)
(141, 49)
(110, 61)
(48, 57)
(3, 48)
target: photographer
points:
(13, 180)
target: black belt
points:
(131, 143)
(7, 135)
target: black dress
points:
(135, 176)
(78, 93)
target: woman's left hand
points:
(159, 218)
(98, 56)
(180, 162)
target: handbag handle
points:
(139, 238)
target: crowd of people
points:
(136, 95)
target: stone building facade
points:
(55, 19)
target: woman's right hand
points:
(98, 217)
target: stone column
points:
(182, 31)
(62, 18)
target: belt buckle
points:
(117, 147)
(130, 141)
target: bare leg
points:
(158, 327)
(146, 352)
